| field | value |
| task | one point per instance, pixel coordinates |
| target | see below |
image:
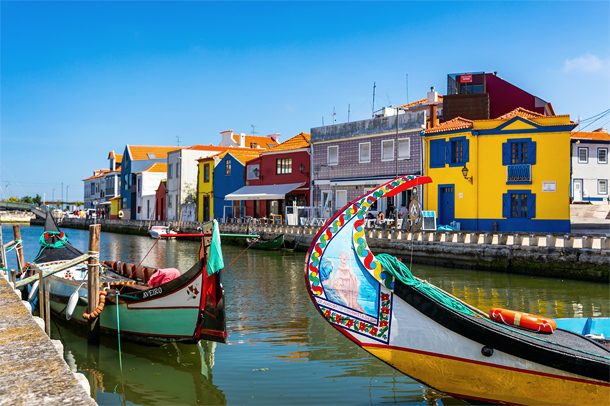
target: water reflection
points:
(280, 349)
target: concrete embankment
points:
(32, 370)
(566, 256)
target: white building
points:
(147, 183)
(94, 189)
(590, 168)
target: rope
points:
(153, 246)
(59, 244)
(400, 271)
(118, 331)
(227, 267)
(17, 244)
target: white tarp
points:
(263, 192)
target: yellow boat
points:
(439, 340)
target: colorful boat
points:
(188, 308)
(274, 244)
(438, 339)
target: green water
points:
(280, 350)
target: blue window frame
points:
(457, 151)
(519, 204)
(437, 153)
(519, 151)
(602, 155)
(602, 186)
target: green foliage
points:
(37, 199)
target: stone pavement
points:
(32, 372)
(590, 218)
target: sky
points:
(81, 79)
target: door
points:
(577, 190)
(206, 208)
(446, 204)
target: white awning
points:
(263, 192)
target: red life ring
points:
(525, 320)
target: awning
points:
(263, 192)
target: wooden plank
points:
(54, 270)
(19, 249)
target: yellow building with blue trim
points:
(506, 174)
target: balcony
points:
(519, 173)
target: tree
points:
(37, 199)
(26, 199)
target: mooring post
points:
(41, 293)
(19, 247)
(3, 263)
(47, 309)
(93, 283)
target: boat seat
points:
(126, 270)
(138, 273)
(148, 272)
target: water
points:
(280, 350)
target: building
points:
(137, 158)
(506, 174)
(482, 96)
(147, 182)
(220, 175)
(94, 189)
(590, 169)
(229, 139)
(351, 159)
(279, 177)
(160, 196)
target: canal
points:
(280, 350)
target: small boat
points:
(274, 244)
(187, 308)
(160, 231)
(505, 357)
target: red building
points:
(160, 201)
(279, 177)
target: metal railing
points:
(519, 173)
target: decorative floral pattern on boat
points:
(192, 292)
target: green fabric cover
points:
(215, 262)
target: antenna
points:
(348, 107)
(407, 88)
(253, 127)
(178, 139)
(334, 116)
(374, 86)
(322, 121)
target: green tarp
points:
(216, 262)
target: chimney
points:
(274, 137)
(433, 115)
(432, 95)
(242, 140)
(227, 139)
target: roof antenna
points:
(374, 86)
(334, 116)
(253, 127)
(178, 139)
(348, 108)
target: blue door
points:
(446, 204)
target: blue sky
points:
(79, 79)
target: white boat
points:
(158, 231)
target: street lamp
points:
(465, 174)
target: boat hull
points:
(439, 340)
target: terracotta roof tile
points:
(98, 174)
(457, 123)
(139, 152)
(593, 135)
(297, 142)
(422, 101)
(156, 167)
(261, 141)
(520, 112)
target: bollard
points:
(93, 283)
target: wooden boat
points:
(274, 244)
(188, 308)
(438, 339)
(160, 231)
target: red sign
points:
(465, 78)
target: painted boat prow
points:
(411, 329)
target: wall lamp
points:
(255, 171)
(302, 168)
(465, 173)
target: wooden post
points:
(19, 248)
(13, 275)
(41, 294)
(3, 263)
(93, 282)
(47, 309)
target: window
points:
(341, 199)
(253, 145)
(458, 153)
(124, 203)
(178, 169)
(228, 167)
(518, 152)
(364, 152)
(139, 185)
(602, 155)
(170, 170)
(437, 153)
(283, 166)
(206, 173)
(404, 148)
(583, 155)
(387, 150)
(519, 204)
(326, 199)
(92, 188)
(602, 187)
(333, 155)
(169, 200)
